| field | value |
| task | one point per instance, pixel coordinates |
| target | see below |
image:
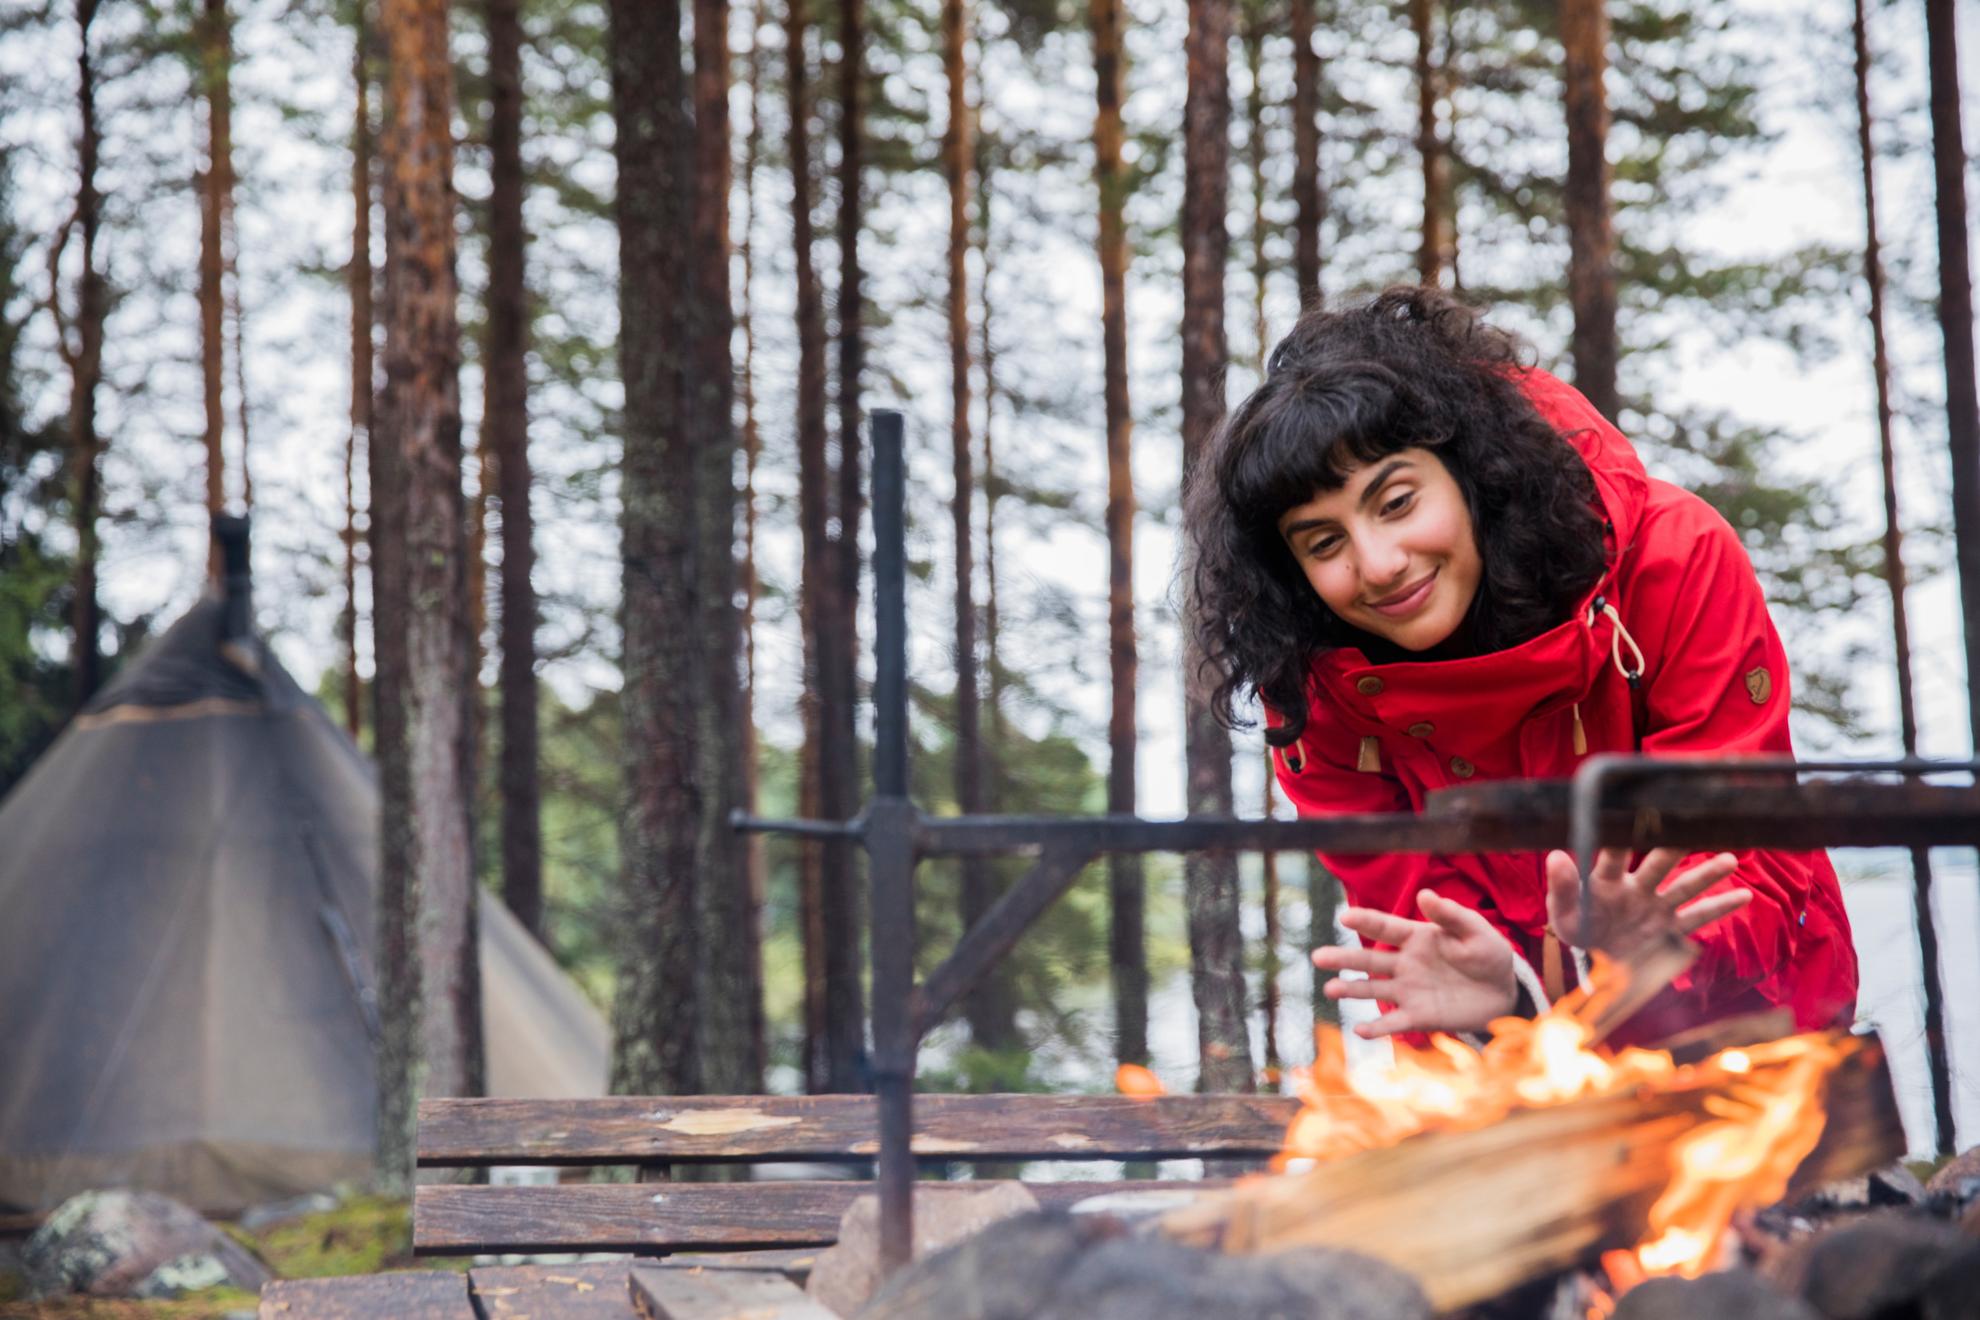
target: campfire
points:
(1480, 1170)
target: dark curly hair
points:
(1411, 367)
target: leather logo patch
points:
(1759, 686)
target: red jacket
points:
(1715, 683)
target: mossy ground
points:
(363, 1235)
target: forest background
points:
(961, 280)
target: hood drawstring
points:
(1633, 676)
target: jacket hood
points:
(1545, 673)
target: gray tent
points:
(186, 940)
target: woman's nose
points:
(1382, 560)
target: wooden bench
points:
(658, 1217)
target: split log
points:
(1476, 1213)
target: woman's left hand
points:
(1628, 908)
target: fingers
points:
(1343, 989)
(1389, 1024)
(1695, 881)
(1708, 910)
(1611, 866)
(1453, 918)
(1382, 927)
(1334, 958)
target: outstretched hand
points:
(1453, 972)
(1629, 908)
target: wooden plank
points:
(591, 1290)
(420, 1295)
(1561, 1184)
(472, 1133)
(694, 1294)
(453, 1220)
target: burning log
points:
(1476, 1207)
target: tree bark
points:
(1210, 891)
(1308, 200)
(656, 1021)
(505, 439)
(215, 184)
(361, 359)
(835, 1017)
(839, 640)
(731, 988)
(1894, 577)
(1591, 238)
(1255, 158)
(1126, 892)
(756, 858)
(80, 344)
(987, 1009)
(1956, 325)
(1434, 250)
(993, 672)
(428, 968)
(1323, 900)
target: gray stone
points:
(1730, 1295)
(1958, 1177)
(259, 1217)
(1147, 1278)
(109, 1244)
(846, 1274)
(1006, 1272)
(1895, 1264)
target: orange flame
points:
(1136, 1082)
(1762, 1103)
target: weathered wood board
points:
(471, 1133)
(698, 1294)
(589, 1290)
(652, 1218)
(421, 1295)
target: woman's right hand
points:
(1452, 972)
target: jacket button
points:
(1462, 768)
(1368, 686)
(1422, 730)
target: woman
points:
(1434, 565)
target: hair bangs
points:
(1307, 436)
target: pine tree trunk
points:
(655, 1017)
(81, 348)
(214, 59)
(361, 360)
(426, 873)
(1127, 953)
(1308, 200)
(1255, 157)
(1956, 325)
(731, 991)
(1894, 577)
(1591, 238)
(505, 437)
(1433, 253)
(839, 644)
(993, 673)
(835, 1017)
(987, 1009)
(756, 857)
(1210, 884)
(1323, 900)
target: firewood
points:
(1474, 1213)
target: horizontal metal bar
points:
(804, 829)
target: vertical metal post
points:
(890, 843)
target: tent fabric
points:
(185, 961)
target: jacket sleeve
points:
(1716, 684)
(1327, 783)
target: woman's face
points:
(1392, 551)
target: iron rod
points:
(890, 694)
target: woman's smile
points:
(1405, 602)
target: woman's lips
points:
(1408, 600)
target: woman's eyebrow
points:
(1380, 479)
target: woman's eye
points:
(1399, 503)
(1322, 547)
